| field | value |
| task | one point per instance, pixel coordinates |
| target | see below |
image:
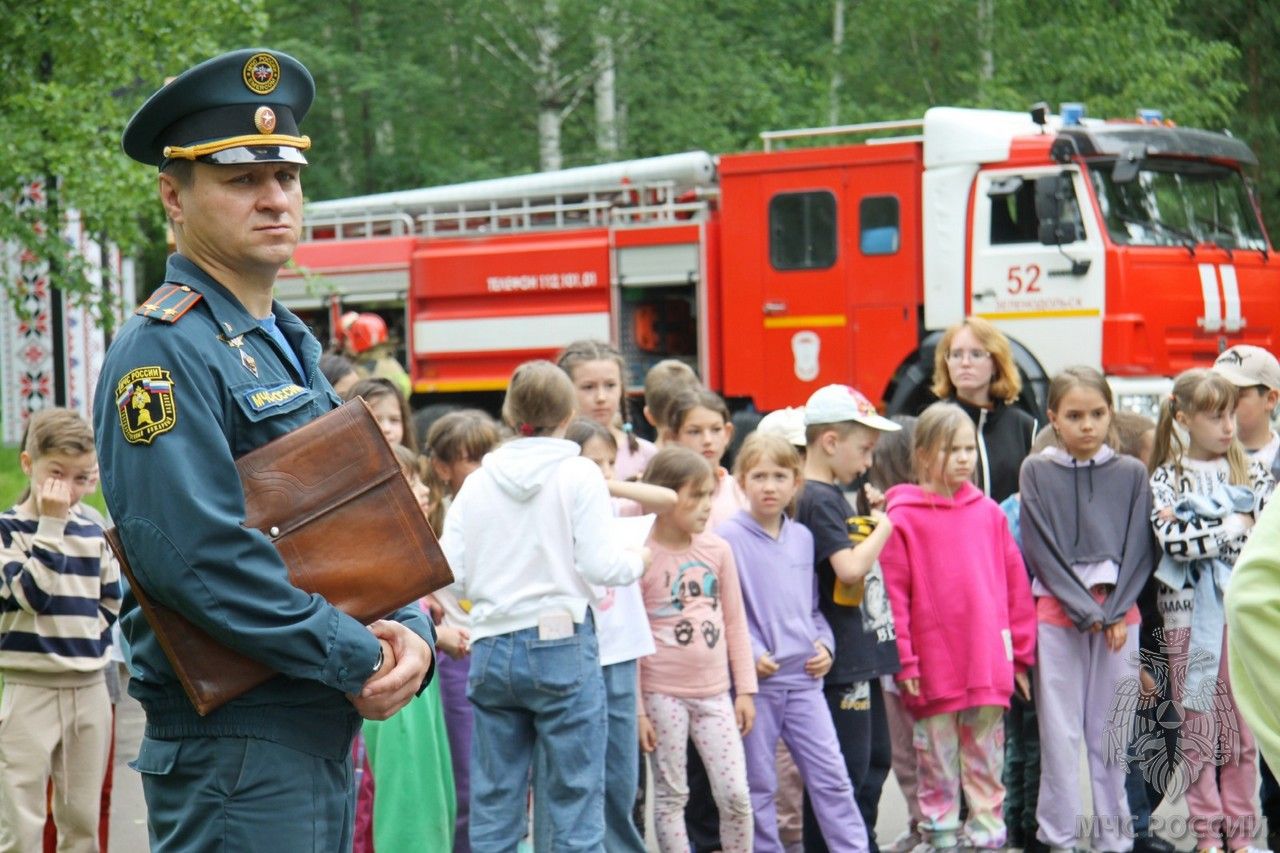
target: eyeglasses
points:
(973, 354)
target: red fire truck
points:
(1133, 245)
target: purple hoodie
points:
(780, 591)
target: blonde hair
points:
(539, 398)
(675, 467)
(1006, 384)
(936, 429)
(1197, 391)
(766, 447)
(1081, 376)
(55, 430)
(581, 352)
(662, 383)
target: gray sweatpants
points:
(1077, 677)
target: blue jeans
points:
(621, 767)
(532, 695)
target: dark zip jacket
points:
(1005, 434)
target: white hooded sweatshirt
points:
(528, 533)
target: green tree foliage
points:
(74, 71)
(423, 92)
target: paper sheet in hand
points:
(631, 531)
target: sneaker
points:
(926, 847)
(906, 842)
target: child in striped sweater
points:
(59, 595)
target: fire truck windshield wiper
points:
(1187, 240)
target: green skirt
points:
(414, 802)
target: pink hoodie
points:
(961, 599)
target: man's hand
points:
(744, 709)
(392, 687)
(820, 664)
(54, 498)
(910, 686)
(765, 666)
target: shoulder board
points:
(168, 303)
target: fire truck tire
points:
(909, 392)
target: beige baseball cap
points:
(788, 423)
(833, 404)
(1247, 366)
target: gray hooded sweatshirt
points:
(1079, 516)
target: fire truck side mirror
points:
(1052, 193)
(1128, 164)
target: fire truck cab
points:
(1134, 246)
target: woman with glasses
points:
(973, 366)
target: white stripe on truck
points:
(490, 334)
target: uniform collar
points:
(231, 316)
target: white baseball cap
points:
(1247, 366)
(788, 423)
(833, 404)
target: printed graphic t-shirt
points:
(866, 643)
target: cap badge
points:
(265, 120)
(262, 73)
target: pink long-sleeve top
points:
(694, 602)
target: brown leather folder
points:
(331, 498)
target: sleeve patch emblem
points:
(144, 397)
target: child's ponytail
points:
(1196, 391)
(1167, 446)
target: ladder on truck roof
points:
(771, 137)
(655, 190)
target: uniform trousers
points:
(236, 793)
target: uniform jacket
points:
(181, 395)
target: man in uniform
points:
(208, 369)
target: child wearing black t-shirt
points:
(841, 429)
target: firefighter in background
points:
(365, 342)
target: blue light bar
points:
(1072, 113)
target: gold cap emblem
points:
(262, 73)
(265, 120)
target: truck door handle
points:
(985, 294)
(775, 306)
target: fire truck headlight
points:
(1142, 404)
(1142, 395)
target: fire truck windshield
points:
(1178, 203)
